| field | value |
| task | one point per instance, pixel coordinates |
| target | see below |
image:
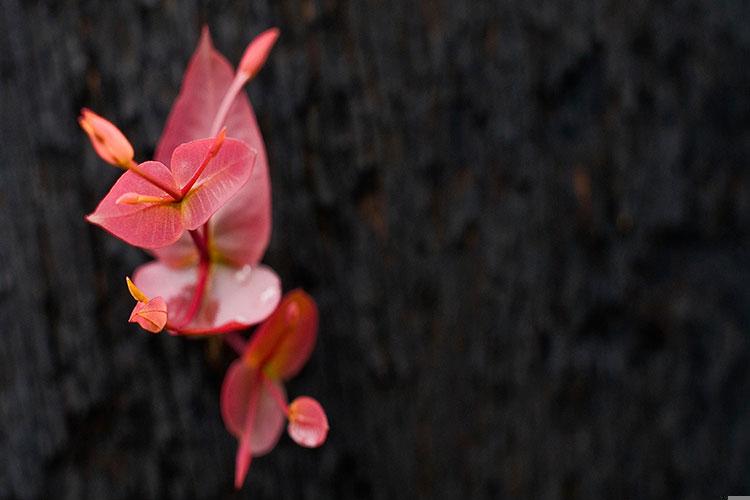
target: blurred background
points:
(526, 224)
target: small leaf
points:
(308, 424)
(235, 298)
(150, 315)
(284, 342)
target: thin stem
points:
(200, 290)
(133, 167)
(236, 342)
(212, 152)
(275, 393)
(239, 81)
(201, 243)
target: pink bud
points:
(308, 424)
(150, 315)
(109, 143)
(257, 52)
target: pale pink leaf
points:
(241, 384)
(235, 298)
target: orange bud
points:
(257, 52)
(135, 291)
(109, 143)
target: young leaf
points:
(151, 315)
(284, 342)
(235, 298)
(242, 228)
(109, 143)
(308, 424)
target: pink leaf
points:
(241, 384)
(308, 424)
(235, 298)
(242, 228)
(284, 342)
(221, 179)
(147, 225)
(151, 315)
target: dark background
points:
(525, 224)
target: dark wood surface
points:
(525, 223)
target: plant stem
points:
(133, 167)
(239, 81)
(236, 342)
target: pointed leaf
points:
(284, 342)
(235, 298)
(242, 228)
(308, 424)
(147, 225)
(222, 178)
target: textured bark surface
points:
(525, 223)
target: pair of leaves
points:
(163, 220)
(253, 400)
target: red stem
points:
(133, 167)
(212, 152)
(236, 342)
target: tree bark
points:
(525, 224)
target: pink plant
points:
(202, 207)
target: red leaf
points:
(242, 228)
(235, 298)
(284, 342)
(308, 424)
